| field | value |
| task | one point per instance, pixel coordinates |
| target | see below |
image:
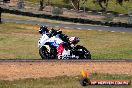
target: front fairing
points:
(55, 41)
(42, 40)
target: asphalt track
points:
(75, 26)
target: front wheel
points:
(45, 54)
(82, 52)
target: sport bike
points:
(50, 41)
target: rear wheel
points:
(83, 52)
(45, 54)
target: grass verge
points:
(62, 82)
(20, 41)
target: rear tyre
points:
(83, 52)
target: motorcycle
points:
(50, 41)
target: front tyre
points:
(45, 54)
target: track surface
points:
(76, 26)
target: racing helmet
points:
(74, 40)
(43, 29)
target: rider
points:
(67, 42)
(63, 37)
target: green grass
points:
(17, 41)
(20, 41)
(62, 82)
(111, 7)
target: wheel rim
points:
(49, 55)
(85, 54)
(45, 52)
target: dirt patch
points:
(21, 70)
